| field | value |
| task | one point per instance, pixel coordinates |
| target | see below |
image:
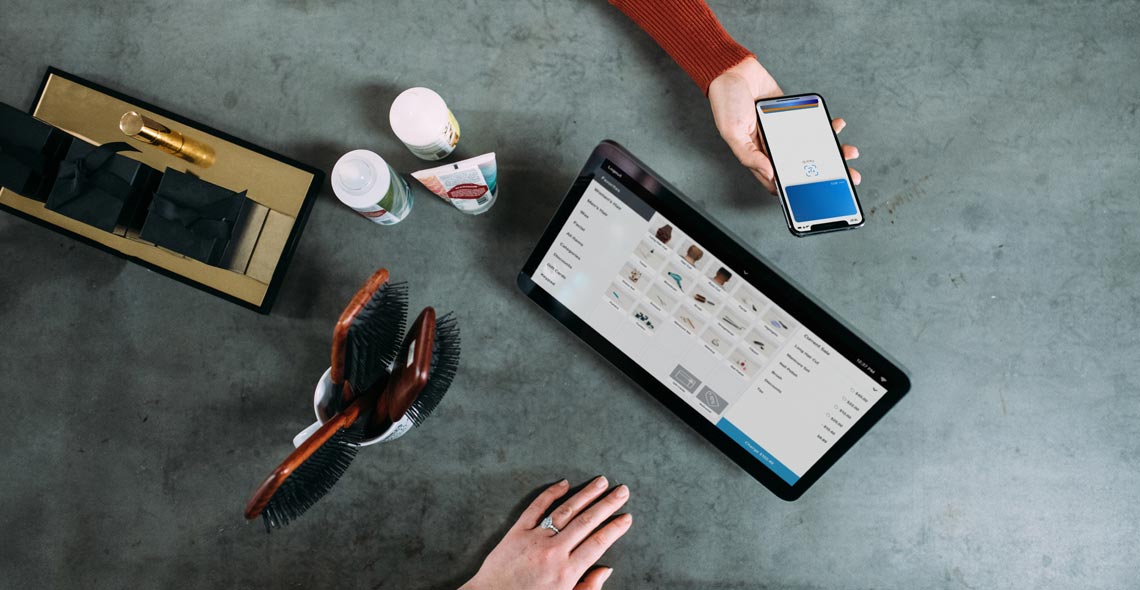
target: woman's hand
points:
(733, 96)
(534, 558)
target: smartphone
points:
(812, 179)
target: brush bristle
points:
(444, 363)
(311, 480)
(375, 334)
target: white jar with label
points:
(366, 183)
(422, 121)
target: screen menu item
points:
(807, 161)
(710, 336)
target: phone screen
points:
(813, 177)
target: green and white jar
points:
(367, 184)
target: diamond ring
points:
(548, 523)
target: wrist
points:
(750, 72)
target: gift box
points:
(195, 218)
(265, 235)
(30, 151)
(101, 188)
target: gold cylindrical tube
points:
(149, 131)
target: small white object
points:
(305, 434)
(422, 121)
(471, 185)
(366, 183)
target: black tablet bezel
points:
(751, 266)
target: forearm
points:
(690, 33)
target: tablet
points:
(706, 325)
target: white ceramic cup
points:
(321, 397)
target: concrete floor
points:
(999, 264)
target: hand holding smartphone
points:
(812, 179)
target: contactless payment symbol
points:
(811, 169)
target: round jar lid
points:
(361, 179)
(418, 116)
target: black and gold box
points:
(278, 192)
(30, 151)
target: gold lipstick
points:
(152, 132)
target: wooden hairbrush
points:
(366, 337)
(425, 362)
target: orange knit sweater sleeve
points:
(690, 33)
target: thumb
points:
(595, 579)
(749, 150)
(751, 155)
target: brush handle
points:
(340, 331)
(411, 371)
(343, 419)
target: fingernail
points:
(563, 483)
(626, 518)
(606, 574)
(622, 491)
(600, 482)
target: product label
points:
(432, 152)
(453, 132)
(397, 430)
(378, 214)
(470, 186)
(467, 190)
(401, 205)
(448, 138)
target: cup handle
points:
(305, 434)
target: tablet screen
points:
(713, 338)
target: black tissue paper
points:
(194, 217)
(101, 188)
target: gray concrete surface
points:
(999, 264)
